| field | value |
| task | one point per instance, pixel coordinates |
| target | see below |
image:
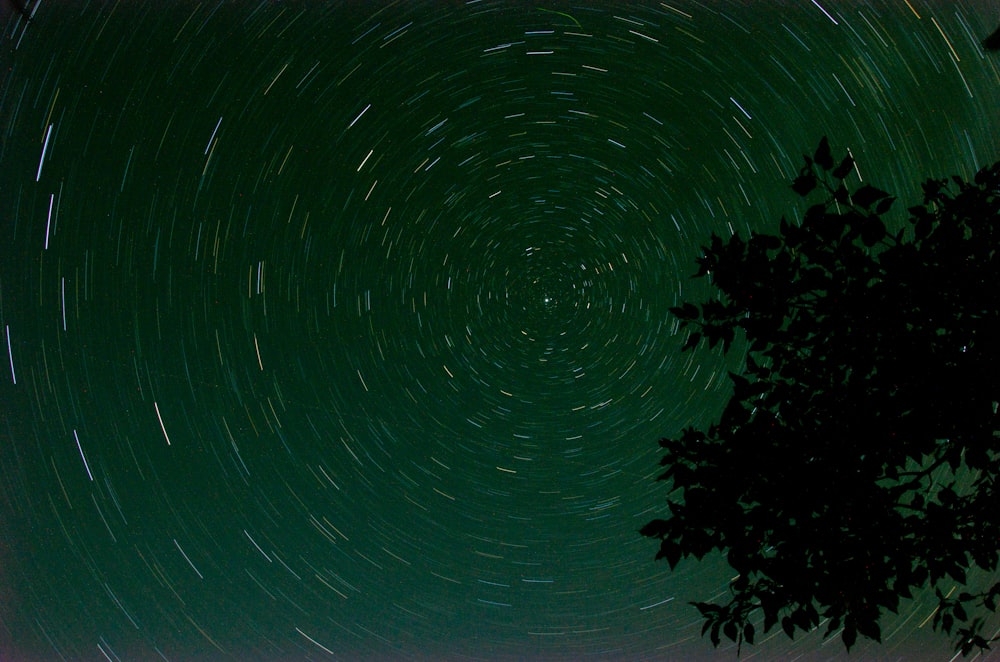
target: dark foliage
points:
(992, 43)
(859, 456)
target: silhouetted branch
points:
(824, 480)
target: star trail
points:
(340, 330)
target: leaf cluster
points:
(857, 458)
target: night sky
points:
(340, 330)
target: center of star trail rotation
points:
(343, 329)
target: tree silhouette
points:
(992, 43)
(857, 458)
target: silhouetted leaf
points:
(883, 205)
(870, 629)
(767, 241)
(867, 195)
(849, 635)
(958, 574)
(992, 43)
(832, 626)
(873, 231)
(823, 157)
(842, 195)
(932, 188)
(770, 619)
(923, 227)
(692, 341)
(728, 335)
(845, 168)
(655, 529)
(687, 312)
(671, 551)
(707, 609)
(741, 386)
(804, 184)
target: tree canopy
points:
(857, 459)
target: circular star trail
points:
(340, 330)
